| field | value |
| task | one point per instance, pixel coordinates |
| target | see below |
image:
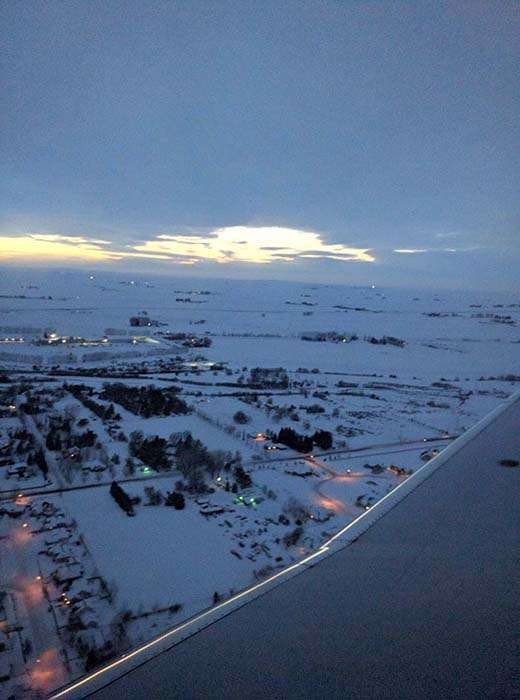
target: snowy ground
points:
(384, 404)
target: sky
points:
(348, 142)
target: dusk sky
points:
(349, 142)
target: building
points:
(143, 319)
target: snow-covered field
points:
(393, 375)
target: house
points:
(18, 470)
(12, 510)
(66, 573)
(328, 337)
(46, 509)
(197, 342)
(57, 538)
(143, 319)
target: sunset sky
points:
(363, 142)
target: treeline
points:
(304, 443)
(122, 499)
(269, 377)
(145, 401)
(79, 392)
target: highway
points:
(420, 604)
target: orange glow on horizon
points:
(45, 246)
(259, 245)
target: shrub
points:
(509, 462)
(154, 496)
(241, 418)
(291, 538)
(176, 500)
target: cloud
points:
(53, 246)
(261, 245)
(198, 235)
(412, 251)
(253, 244)
(448, 234)
(72, 240)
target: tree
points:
(86, 439)
(110, 412)
(41, 462)
(53, 440)
(136, 440)
(27, 647)
(289, 437)
(323, 439)
(121, 498)
(242, 477)
(145, 401)
(176, 500)
(154, 496)
(129, 467)
(241, 418)
(153, 453)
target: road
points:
(338, 506)
(324, 500)
(37, 491)
(19, 573)
(7, 495)
(421, 604)
(410, 445)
